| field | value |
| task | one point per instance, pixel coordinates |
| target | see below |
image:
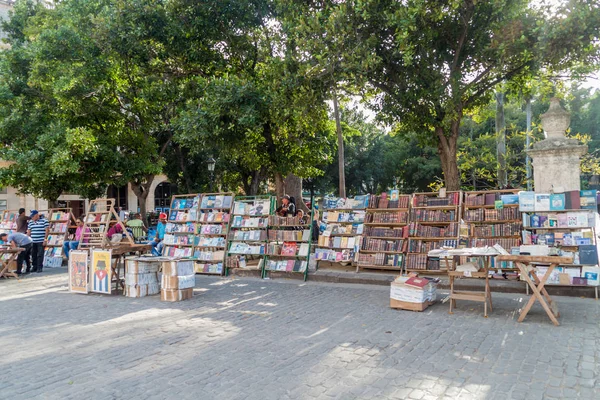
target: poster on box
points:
(101, 273)
(78, 271)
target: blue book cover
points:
(557, 201)
(588, 199)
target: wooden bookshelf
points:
(9, 221)
(248, 232)
(214, 218)
(100, 217)
(493, 217)
(59, 221)
(434, 221)
(384, 240)
(181, 232)
(344, 220)
(288, 249)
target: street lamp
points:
(211, 168)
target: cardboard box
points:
(143, 265)
(178, 267)
(407, 297)
(178, 282)
(142, 290)
(404, 305)
(176, 295)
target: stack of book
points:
(178, 280)
(141, 276)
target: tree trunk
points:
(182, 165)
(257, 178)
(340, 140)
(52, 203)
(293, 188)
(501, 141)
(528, 142)
(447, 145)
(279, 187)
(141, 188)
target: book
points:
(588, 199)
(419, 283)
(526, 201)
(588, 255)
(572, 200)
(510, 199)
(557, 201)
(542, 202)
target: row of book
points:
(249, 222)
(336, 216)
(216, 201)
(184, 203)
(504, 242)
(394, 200)
(571, 219)
(253, 236)
(214, 217)
(571, 200)
(433, 215)
(338, 242)
(213, 230)
(209, 268)
(417, 261)
(189, 227)
(216, 241)
(181, 216)
(170, 239)
(56, 227)
(399, 217)
(260, 207)
(493, 230)
(213, 256)
(424, 246)
(287, 265)
(422, 200)
(322, 254)
(290, 249)
(356, 203)
(382, 245)
(275, 220)
(386, 232)
(418, 230)
(60, 216)
(296, 235)
(380, 259)
(354, 229)
(247, 248)
(178, 252)
(558, 238)
(490, 199)
(480, 214)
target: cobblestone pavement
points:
(252, 339)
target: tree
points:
(501, 139)
(433, 61)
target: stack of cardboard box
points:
(178, 280)
(141, 276)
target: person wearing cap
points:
(157, 244)
(287, 208)
(22, 221)
(37, 230)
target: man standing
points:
(17, 239)
(157, 244)
(22, 221)
(37, 230)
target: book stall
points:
(343, 219)
(213, 222)
(385, 232)
(288, 249)
(9, 221)
(59, 221)
(434, 223)
(181, 231)
(248, 232)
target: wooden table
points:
(12, 253)
(539, 293)
(118, 253)
(485, 297)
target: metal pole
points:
(528, 142)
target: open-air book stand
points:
(97, 222)
(539, 293)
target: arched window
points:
(162, 196)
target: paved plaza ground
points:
(253, 339)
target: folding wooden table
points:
(485, 296)
(539, 293)
(8, 255)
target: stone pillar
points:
(556, 159)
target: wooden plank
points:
(536, 259)
(474, 296)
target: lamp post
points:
(211, 169)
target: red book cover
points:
(419, 283)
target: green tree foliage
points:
(430, 62)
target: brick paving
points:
(252, 339)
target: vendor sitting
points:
(115, 233)
(157, 244)
(74, 244)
